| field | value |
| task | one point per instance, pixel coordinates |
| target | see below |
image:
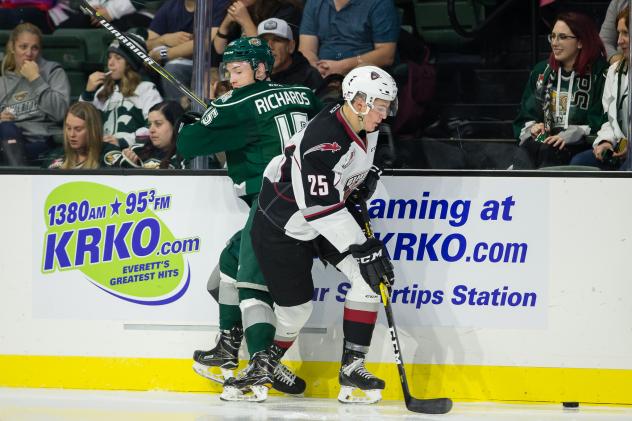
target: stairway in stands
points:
(479, 87)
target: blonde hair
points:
(8, 62)
(94, 131)
(129, 82)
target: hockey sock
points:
(229, 312)
(258, 319)
(284, 345)
(212, 285)
(359, 322)
(289, 322)
(229, 317)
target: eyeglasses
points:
(560, 37)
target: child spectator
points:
(34, 96)
(561, 103)
(122, 97)
(160, 150)
(83, 144)
(338, 36)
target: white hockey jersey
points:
(304, 191)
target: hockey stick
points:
(89, 10)
(425, 406)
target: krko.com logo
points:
(118, 241)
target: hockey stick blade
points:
(429, 406)
(87, 9)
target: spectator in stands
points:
(609, 34)
(338, 35)
(243, 16)
(122, 14)
(610, 147)
(170, 39)
(15, 12)
(121, 96)
(219, 86)
(34, 96)
(83, 139)
(160, 150)
(290, 66)
(561, 103)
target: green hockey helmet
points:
(253, 50)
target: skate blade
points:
(208, 373)
(350, 394)
(255, 394)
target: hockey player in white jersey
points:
(302, 214)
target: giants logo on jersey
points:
(325, 147)
(353, 182)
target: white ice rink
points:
(78, 405)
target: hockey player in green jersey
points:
(251, 123)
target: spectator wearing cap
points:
(123, 99)
(338, 35)
(170, 40)
(290, 66)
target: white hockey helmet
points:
(371, 82)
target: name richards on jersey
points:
(279, 99)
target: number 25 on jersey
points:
(318, 185)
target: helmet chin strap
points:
(359, 114)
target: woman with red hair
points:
(561, 104)
(611, 145)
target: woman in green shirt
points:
(561, 104)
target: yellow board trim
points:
(460, 382)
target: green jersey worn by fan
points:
(250, 124)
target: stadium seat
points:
(77, 81)
(96, 41)
(433, 23)
(4, 37)
(69, 51)
(569, 168)
(152, 6)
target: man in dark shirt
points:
(290, 66)
(170, 39)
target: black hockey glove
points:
(375, 265)
(368, 186)
(189, 117)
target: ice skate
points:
(251, 384)
(218, 363)
(286, 381)
(357, 385)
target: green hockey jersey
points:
(251, 124)
(541, 98)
